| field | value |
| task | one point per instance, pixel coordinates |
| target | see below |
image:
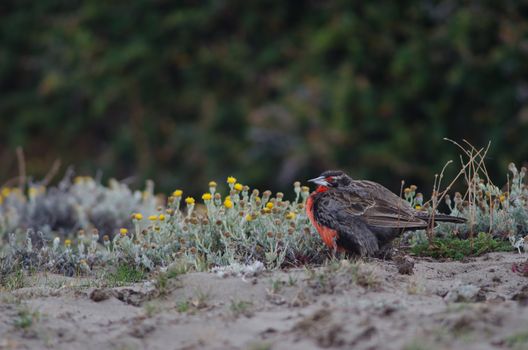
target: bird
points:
(362, 217)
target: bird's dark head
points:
(332, 179)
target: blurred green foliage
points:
(269, 91)
(453, 247)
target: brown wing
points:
(375, 191)
(378, 212)
(385, 214)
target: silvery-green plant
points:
(81, 203)
(500, 212)
(240, 228)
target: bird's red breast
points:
(328, 235)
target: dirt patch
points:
(371, 304)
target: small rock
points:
(133, 295)
(405, 265)
(98, 295)
(465, 293)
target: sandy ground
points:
(478, 304)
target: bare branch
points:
(52, 172)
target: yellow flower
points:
(290, 215)
(177, 193)
(418, 207)
(239, 187)
(502, 198)
(153, 218)
(305, 189)
(269, 205)
(266, 210)
(407, 190)
(6, 191)
(212, 184)
(67, 242)
(189, 200)
(231, 180)
(123, 231)
(161, 217)
(137, 216)
(249, 217)
(33, 191)
(207, 196)
(228, 204)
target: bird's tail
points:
(449, 218)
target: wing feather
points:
(346, 205)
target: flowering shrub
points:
(242, 227)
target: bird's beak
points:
(319, 181)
